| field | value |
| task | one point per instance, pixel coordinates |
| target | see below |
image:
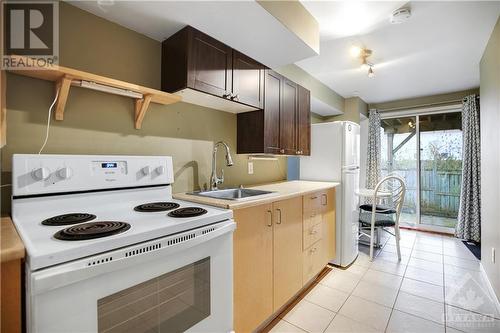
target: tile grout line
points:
(399, 290)
(445, 315)
(350, 294)
(300, 328)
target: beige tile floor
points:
(436, 287)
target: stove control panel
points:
(40, 174)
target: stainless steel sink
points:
(231, 194)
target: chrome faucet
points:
(214, 179)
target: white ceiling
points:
(243, 25)
(437, 51)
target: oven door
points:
(181, 283)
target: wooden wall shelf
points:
(64, 77)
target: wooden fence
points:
(440, 192)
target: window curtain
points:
(469, 216)
(373, 154)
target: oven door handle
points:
(65, 274)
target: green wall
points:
(353, 108)
(99, 123)
(490, 157)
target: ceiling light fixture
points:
(355, 51)
(371, 74)
(363, 54)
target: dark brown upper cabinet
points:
(248, 80)
(282, 127)
(210, 67)
(288, 118)
(209, 73)
(303, 121)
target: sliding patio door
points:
(440, 169)
(426, 150)
(399, 155)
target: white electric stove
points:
(109, 250)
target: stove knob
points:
(160, 170)
(146, 170)
(65, 173)
(41, 173)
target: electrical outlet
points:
(493, 259)
(250, 168)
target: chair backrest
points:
(396, 186)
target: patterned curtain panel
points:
(469, 215)
(373, 154)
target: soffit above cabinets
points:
(322, 108)
(243, 25)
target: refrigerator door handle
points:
(350, 168)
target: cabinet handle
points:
(279, 212)
(282, 151)
(314, 250)
(270, 224)
(326, 199)
(313, 232)
(314, 198)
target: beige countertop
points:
(12, 248)
(282, 190)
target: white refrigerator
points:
(335, 157)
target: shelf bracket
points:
(62, 85)
(141, 106)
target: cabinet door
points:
(210, 65)
(303, 121)
(287, 250)
(288, 119)
(314, 261)
(272, 107)
(328, 202)
(253, 267)
(248, 80)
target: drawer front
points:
(312, 260)
(312, 218)
(312, 234)
(315, 202)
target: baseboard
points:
(490, 287)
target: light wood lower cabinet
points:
(253, 267)
(287, 250)
(328, 219)
(278, 249)
(319, 232)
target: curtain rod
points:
(423, 105)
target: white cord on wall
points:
(48, 123)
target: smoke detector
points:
(400, 15)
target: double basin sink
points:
(231, 194)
